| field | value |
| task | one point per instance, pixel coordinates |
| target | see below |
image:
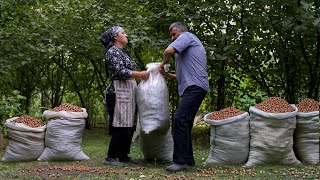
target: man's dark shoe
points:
(191, 163)
(112, 162)
(130, 160)
(175, 167)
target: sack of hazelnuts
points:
(63, 138)
(229, 136)
(306, 135)
(272, 123)
(25, 139)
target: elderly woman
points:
(120, 94)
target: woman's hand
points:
(144, 75)
(138, 75)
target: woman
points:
(120, 94)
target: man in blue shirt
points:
(193, 85)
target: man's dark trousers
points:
(183, 123)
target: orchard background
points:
(50, 54)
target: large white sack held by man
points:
(153, 101)
(154, 116)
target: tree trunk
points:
(221, 87)
(290, 79)
(74, 84)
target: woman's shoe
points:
(130, 160)
(112, 162)
(175, 167)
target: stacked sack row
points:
(274, 132)
(30, 139)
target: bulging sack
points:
(157, 146)
(229, 140)
(24, 143)
(154, 116)
(153, 101)
(306, 137)
(271, 138)
(65, 114)
(64, 136)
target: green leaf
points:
(316, 22)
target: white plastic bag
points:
(157, 146)
(306, 137)
(64, 136)
(154, 116)
(24, 143)
(153, 101)
(271, 138)
(229, 140)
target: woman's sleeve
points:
(116, 66)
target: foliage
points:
(201, 134)
(10, 106)
(50, 50)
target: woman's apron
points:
(125, 105)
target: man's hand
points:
(162, 65)
(170, 51)
(162, 71)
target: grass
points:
(95, 143)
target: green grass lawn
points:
(94, 145)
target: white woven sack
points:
(63, 138)
(157, 146)
(306, 137)
(271, 138)
(65, 114)
(229, 140)
(153, 101)
(24, 143)
(22, 127)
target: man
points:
(193, 85)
